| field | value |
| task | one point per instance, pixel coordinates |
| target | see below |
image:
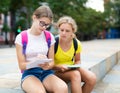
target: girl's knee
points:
(92, 79)
(65, 88)
(75, 76)
(62, 89)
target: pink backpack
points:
(25, 39)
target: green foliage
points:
(112, 13)
(88, 20)
(4, 6)
(65, 7)
(21, 23)
(5, 28)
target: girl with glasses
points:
(40, 78)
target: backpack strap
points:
(56, 44)
(48, 38)
(75, 46)
(24, 37)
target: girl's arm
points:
(20, 57)
(77, 58)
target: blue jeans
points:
(37, 72)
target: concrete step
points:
(103, 67)
(100, 56)
(111, 82)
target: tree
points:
(88, 20)
(16, 10)
(112, 12)
(4, 8)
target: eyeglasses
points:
(43, 24)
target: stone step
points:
(111, 82)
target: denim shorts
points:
(37, 72)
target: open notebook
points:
(37, 62)
(74, 66)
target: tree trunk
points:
(6, 39)
(12, 23)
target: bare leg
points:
(53, 84)
(75, 83)
(89, 79)
(74, 78)
(33, 85)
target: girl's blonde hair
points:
(43, 11)
(69, 20)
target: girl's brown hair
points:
(43, 11)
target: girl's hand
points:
(63, 68)
(45, 65)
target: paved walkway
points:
(93, 52)
(9, 71)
